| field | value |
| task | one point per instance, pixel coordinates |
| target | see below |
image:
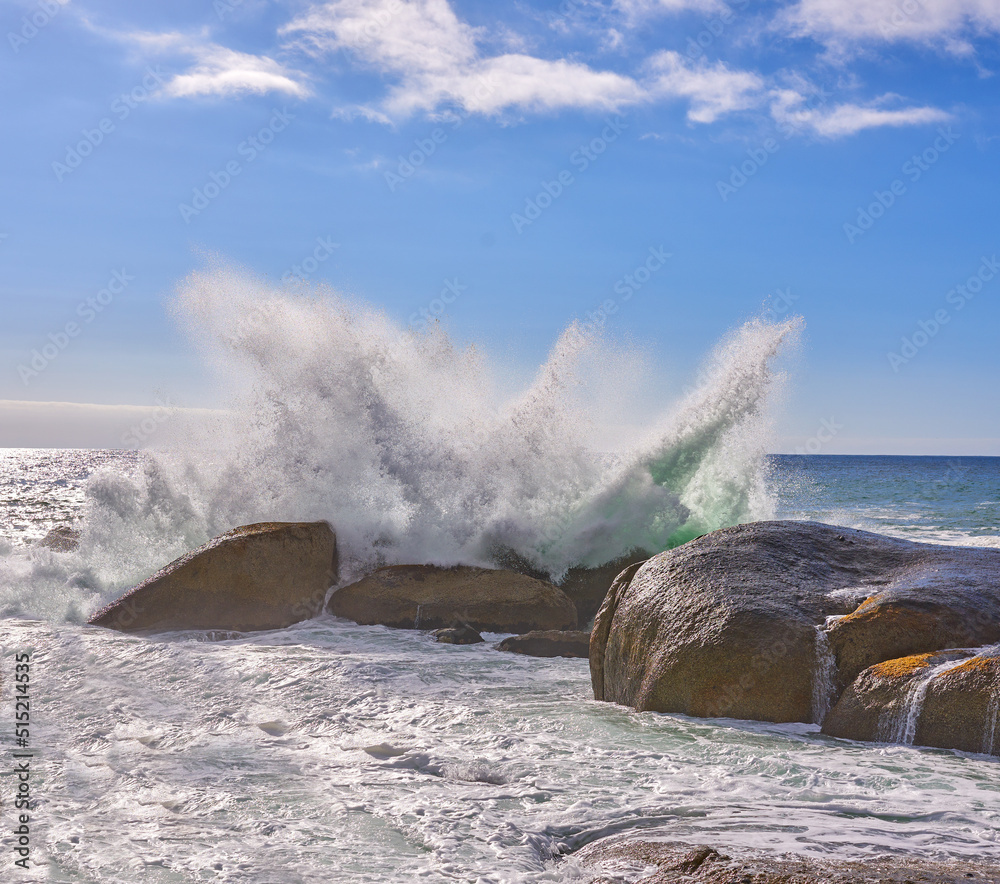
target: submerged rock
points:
(429, 597)
(549, 643)
(618, 860)
(263, 576)
(62, 538)
(948, 700)
(458, 634)
(730, 624)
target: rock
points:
(549, 643)
(618, 860)
(586, 587)
(948, 700)
(429, 597)
(458, 634)
(727, 624)
(62, 538)
(263, 576)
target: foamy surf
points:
(410, 445)
(416, 450)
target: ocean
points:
(334, 752)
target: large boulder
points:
(429, 597)
(549, 643)
(263, 576)
(949, 699)
(735, 623)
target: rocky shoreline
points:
(621, 859)
(872, 637)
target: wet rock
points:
(62, 538)
(458, 634)
(429, 597)
(619, 860)
(726, 625)
(263, 576)
(586, 587)
(549, 643)
(948, 700)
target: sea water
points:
(334, 752)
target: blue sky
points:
(836, 159)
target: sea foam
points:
(417, 450)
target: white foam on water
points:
(332, 752)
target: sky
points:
(506, 169)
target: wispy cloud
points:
(436, 60)
(843, 23)
(789, 107)
(713, 89)
(644, 8)
(215, 69)
(221, 71)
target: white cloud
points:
(437, 62)
(433, 61)
(221, 71)
(217, 70)
(713, 89)
(643, 8)
(417, 35)
(516, 81)
(841, 22)
(435, 57)
(790, 108)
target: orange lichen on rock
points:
(865, 609)
(902, 666)
(977, 664)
